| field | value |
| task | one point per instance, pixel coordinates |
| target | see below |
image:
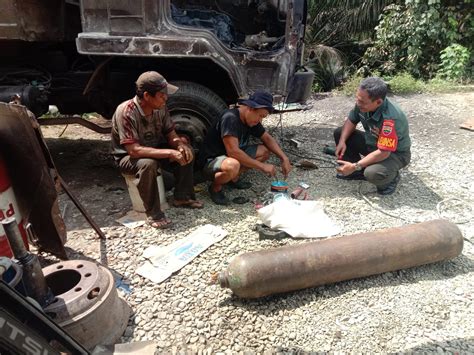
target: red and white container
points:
(8, 208)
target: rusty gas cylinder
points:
(8, 208)
(289, 268)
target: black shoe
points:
(239, 185)
(390, 188)
(329, 150)
(356, 175)
(218, 197)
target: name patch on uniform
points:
(388, 139)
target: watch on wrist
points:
(357, 166)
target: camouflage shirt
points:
(386, 128)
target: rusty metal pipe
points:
(33, 277)
(81, 209)
(266, 272)
(12, 231)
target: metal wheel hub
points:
(191, 124)
(86, 302)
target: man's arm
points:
(231, 144)
(273, 146)
(137, 151)
(376, 156)
(178, 144)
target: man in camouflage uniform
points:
(378, 154)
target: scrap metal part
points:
(33, 278)
(86, 303)
(260, 40)
(265, 232)
(295, 267)
(29, 169)
(25, 329)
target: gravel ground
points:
(428, 308)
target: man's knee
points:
(263, 154)
(230, 166)
(138, 166)
(146, 166)
(378, 175)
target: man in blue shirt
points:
(226, 151)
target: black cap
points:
(151, 81)
(259, 99)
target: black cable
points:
(314, 157)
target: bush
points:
(439, 85)
(350, 86)
(454, 61)
(412, 33)
(404, 83)
(328, 66)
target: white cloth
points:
(300, 219)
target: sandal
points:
(193, 204)
(159, 223)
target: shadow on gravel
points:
(293, 300)
(462, 345)
(83, 160)
(411, 192)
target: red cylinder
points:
(8, 208)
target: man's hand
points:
(345, 167)
(269, 169)
(340, 150)
(177, 156)
(286, 167)
(187, 152)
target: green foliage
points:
(439, 85)
(412, 33)
(328, 66)
(454, 61)
(333, 22)
(316, 87)
(336, 26)
(350, 86)
(404, 83)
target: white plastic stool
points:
(137, 202)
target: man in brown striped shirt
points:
(144, 139)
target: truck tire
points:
(194, 108)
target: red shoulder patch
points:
(388, 139)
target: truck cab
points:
(215, 50)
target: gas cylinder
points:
(289, 268)
(8, 208)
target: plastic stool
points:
(137, 202)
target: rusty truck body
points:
(84, 56)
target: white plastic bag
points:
(300, 219)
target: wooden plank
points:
(468, 124)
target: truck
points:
(84, 56)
